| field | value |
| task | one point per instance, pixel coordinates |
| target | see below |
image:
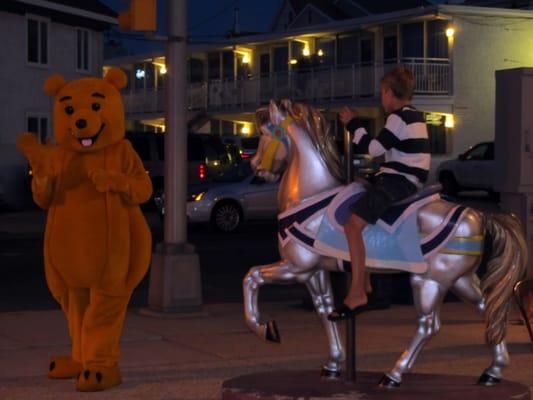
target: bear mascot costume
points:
(97, 244)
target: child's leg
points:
(354, 234)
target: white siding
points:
(21, 87)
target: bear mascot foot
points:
(63, 367)
(98, 379)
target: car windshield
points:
(250, 143)
(237, 174)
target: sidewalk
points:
(188, 357)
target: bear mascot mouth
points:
(91, 140)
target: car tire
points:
(449, 184)
(227, 216)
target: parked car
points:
(206, 156)
(472, 170)
(247, 145)
(231, 198)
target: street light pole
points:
(175, 284)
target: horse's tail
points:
(506, 266)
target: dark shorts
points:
(387, 189)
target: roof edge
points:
(71, 10)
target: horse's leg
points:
(468, 289)
(319, 286)
(428, 295)
(280, 272)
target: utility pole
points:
(175, 284)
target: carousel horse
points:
(440, 243)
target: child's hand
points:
(347, 114)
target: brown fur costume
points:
(97, 243)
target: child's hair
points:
(401, 81)
(262, 117)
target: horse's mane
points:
(313, 122)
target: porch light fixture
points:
(139, 73)
(306, 52)
(449, 121)
(244, 53)
(450, 32)
(163, 69)
(293, 61)
(320, 52)
(245, 130)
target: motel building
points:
(333, 53)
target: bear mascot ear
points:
(116, 77)
(54, 84)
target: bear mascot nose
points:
(81, 123)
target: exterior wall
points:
(308, 17)
(479, 49)
(283, 21)
(22, 83)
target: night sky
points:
(208, 20)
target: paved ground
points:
(188, 358)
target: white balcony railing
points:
(433, 77)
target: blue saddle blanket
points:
(392, 243)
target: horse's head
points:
(272, 151)
(299, 121)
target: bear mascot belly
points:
(97, 243)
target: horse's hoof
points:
(330, 374)
(272, 333)
(488, 380)
(388, 383)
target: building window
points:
(38, 124)
(413, 40)
(213, 66)
(37, 41)
(437, 133)
(281, 59)
(390, 49)
(437, 40)
(347, 48)
(228, 60)
(83, 61)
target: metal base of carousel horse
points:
(308, 384)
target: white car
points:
(231, 198)
(472, 170)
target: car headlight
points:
(196, 196)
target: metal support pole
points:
(175, 275)
(350, 322)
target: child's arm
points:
(385, 140)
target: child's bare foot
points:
(353, 302)
(351, 306)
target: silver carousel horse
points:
(314, 172)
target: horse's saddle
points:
(392, 243)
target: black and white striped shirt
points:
(403, 140)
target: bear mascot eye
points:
(96, 106)
(69, 110)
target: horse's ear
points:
(286, 103)
(273, 111)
